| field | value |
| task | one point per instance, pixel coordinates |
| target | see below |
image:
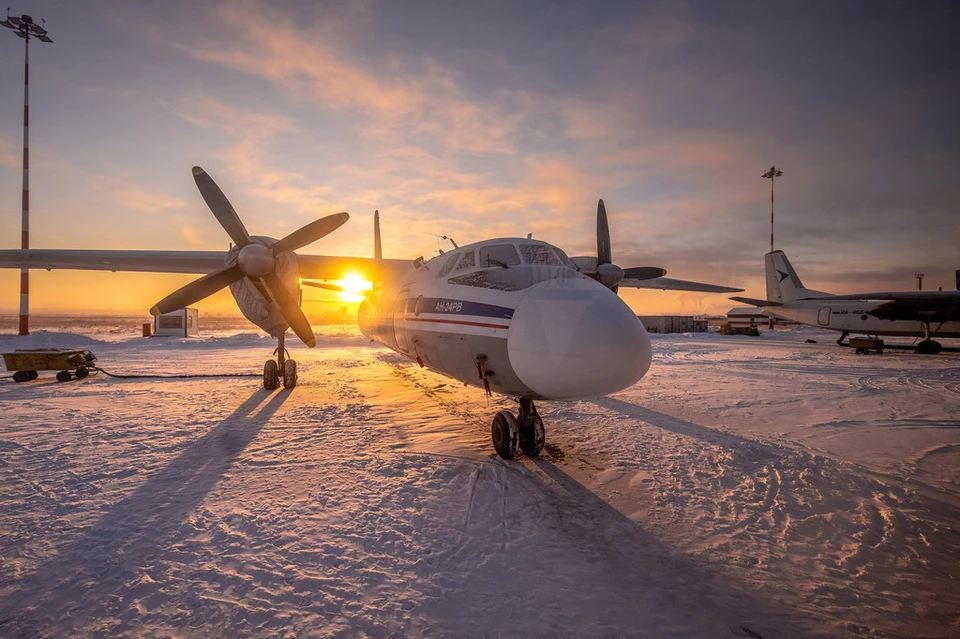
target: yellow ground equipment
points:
(69, 362)
(866, 344)
(730, 329)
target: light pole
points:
(774, 172)
(26, 28)
(771, 174)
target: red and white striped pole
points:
(25, 220)
(771, 175)
(26, 28)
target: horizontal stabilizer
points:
(670, 284)
(753, 302)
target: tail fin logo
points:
(783, 275)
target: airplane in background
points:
(510, 315)
(924, 314)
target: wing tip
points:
(197, 171)
(155, 311)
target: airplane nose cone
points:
(574, 339)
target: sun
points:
(354, 285)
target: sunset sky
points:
(483, 119)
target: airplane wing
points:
(200, 262)
(918, 296)
(944, 308)
(670, 284)
(325, 267)
(755, 302)
(332, 267)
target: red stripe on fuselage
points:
(461, 322)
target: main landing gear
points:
(283, 368)
(525, 431)
(928, 346)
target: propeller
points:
(602, 267)
(255, 261)
(608, 273)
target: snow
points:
(747, 487)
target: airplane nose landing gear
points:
(531, 429)
(525, 431)
(282, 368)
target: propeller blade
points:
(197, 290)
(604, 254)
(644, 272)
(221, 207)
(310, 233)
(328, 287)
(288, 308)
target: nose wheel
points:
(283, 369)
(525, 431)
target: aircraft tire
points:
(505, 434)
(270, 374)
(928, 347)
(531, 435)
(289, 374)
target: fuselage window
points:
(501, 255)
(447, 266)
(466, 261)
(538, 254)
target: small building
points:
(747, 316)
(753, 316)
(673, 323)
(184, 322)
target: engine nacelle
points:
(254, 303)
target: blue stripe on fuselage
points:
(448, 306)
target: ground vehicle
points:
(69, 362)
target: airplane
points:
(924, 314)
(510, 315)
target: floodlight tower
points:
(26, 28)
(774, 172)
(771, 174)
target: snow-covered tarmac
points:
(747, 487)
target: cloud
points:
(211, 114)
(11, 153)
(145, 202)
(413, 97)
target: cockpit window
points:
(447, 266)
(538, 254)
(466, 261)
(566, 261)
(502, 255)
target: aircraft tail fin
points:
(783, 283)
(377, 247)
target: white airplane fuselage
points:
(513, 316)
(853, 316)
